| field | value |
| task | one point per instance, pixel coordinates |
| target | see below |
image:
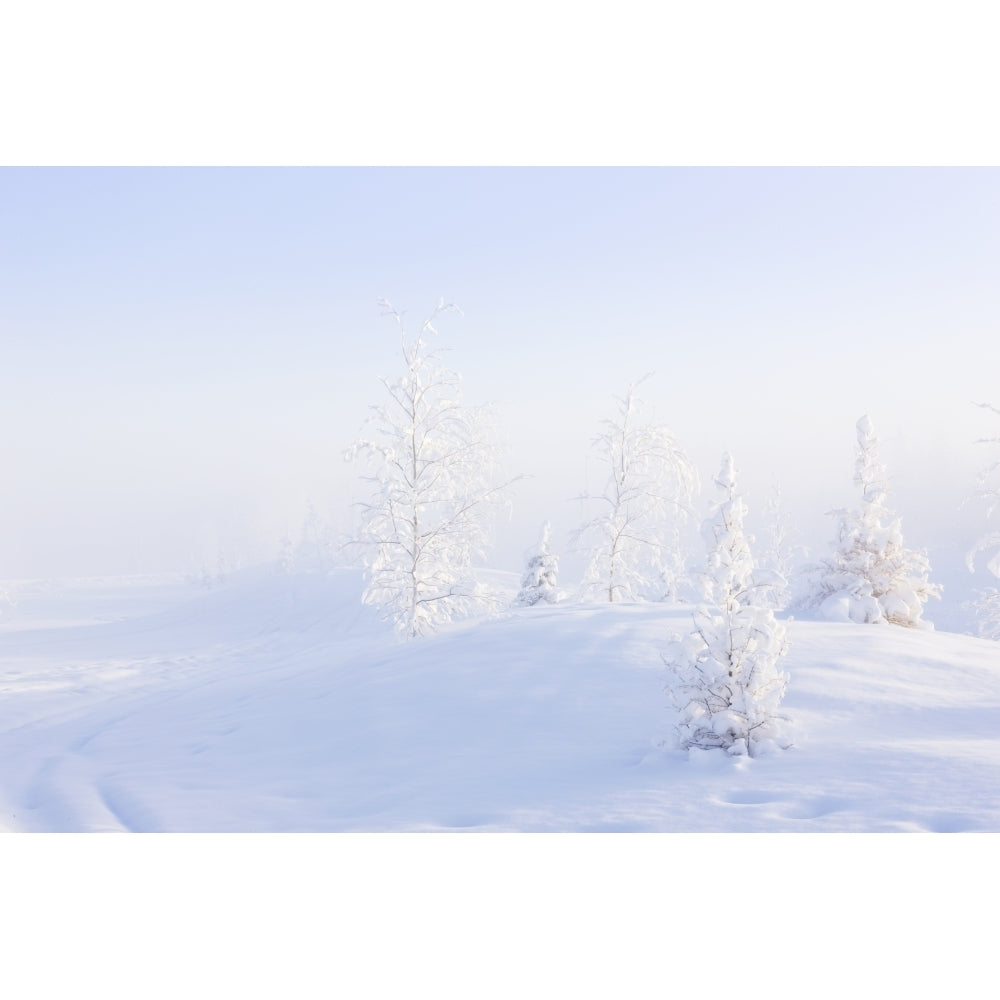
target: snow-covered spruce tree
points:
(872, 576)
(726, 683)
(541, 570)
(632, 543)
(987, 601)
(433, 494)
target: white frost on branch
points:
(633, 543)
(433, 464)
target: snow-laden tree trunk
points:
(632, 544)
(539, 582)
(433, 492)
(872, 576)
(726, 683)
(987, 601)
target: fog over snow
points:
(186, 353)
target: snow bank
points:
(279, 702)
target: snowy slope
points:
(279, 703)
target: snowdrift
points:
(279, 703)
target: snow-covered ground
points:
(277, 702)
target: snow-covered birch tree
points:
(726, 683)
(872, 576)
(632, 542)
(539, 582)
(434, 495)
(987, 601)
(783, 556)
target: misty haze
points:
(499, 499)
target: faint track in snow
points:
(62, 797)
(127, 810)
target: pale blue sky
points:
(178, 344)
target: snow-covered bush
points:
(539, 582)
(633, 543)
(987, 602)
(433, 492)
(872, 576)
(726, 683)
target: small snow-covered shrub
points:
(539, 582)
(725, 678)
(872, 577)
